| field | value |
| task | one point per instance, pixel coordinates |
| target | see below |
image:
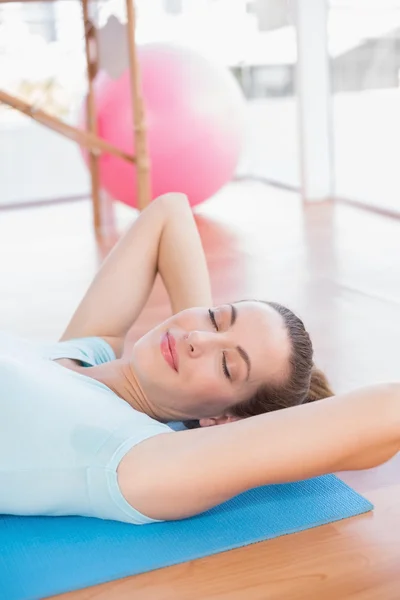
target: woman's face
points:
(200, 362)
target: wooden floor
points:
(337, 266)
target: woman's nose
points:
(199, 342)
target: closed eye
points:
(212, 319)
(224, 366)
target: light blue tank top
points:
(63, 434)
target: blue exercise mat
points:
(44, 556)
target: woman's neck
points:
(118, 375)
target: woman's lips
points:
(168, 350)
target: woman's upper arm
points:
(182, 262)
(175, 476)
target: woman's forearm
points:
(188, 472)
(181, 260)
(122, 285)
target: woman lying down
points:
(83, 427)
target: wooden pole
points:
(83, 138)
(141, 150)
(91, 51)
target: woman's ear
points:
(221, 420)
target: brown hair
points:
(305, 383)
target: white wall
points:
(38, 164)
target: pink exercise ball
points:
(195, 124)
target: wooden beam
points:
(91, 52)
(83, 138)
(141, 150)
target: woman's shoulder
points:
(89, 351)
